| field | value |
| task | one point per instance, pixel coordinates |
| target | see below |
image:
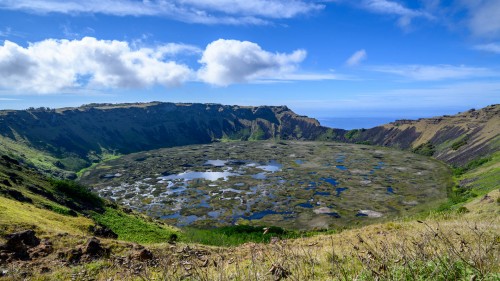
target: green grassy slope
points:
(29, 200)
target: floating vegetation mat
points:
(299, 185)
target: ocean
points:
(349, 123)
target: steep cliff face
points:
(68, 139)
(455, 139)
(85, 132)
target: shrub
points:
(77, 193)
(458, 171)
(462, 210)
(352, 134)
(426, 149)
(456, 145)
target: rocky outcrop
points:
(18, 246)
(103, 231)
(92, 250)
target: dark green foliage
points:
(247, 229)
(72, 164)
(76, 194)
(456, 195)
(366, 142)
(328, 135)
(456, 145)
(237, 234)
(352, 134)
(257, 135)
(458, 171)
(426, 149)
(242, 134)
(60, 210)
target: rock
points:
(26, 237)
(142, 255)
(6, 182)
(103, 231)
(44, 249)
(16, 195)
(93, 248)
(3, 272)
(487, 199)
(17, 245)
(370, 213)
(74, 256)
(90, 251)
(10, 160)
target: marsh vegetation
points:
(296, 185)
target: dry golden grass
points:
(18, 216)
(451, 246)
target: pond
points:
(190, 175)
(330, 181)
(339, 190)
(341, 167)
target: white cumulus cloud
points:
(357, 58)
(231, 61)
(53, 65)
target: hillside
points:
(458, 244)
(49, 206)
(69, 139)
(60, 142)
(47, 225)
(456, 139)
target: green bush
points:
(236, 235)
(60, 210)
(456, 145)
(257, 135)
(462, 210)
(458, 171)
(426, 149)
(328, 135)
(352, 134)
(76, 192)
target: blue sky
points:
(337, 58)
